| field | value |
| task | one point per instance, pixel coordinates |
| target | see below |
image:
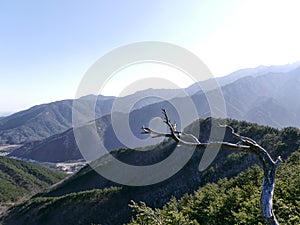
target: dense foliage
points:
(234, 201)
(21, 179)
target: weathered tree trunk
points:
(267, 192)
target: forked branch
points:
(180, 137)
(246, 145)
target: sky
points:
(46, 47)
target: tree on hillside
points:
(246, 145)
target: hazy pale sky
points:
(47, 46)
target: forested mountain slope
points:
(88, 198)
(19, 180)
(231, 201)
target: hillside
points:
(233, 201)
(36, 123)
(57, 148)
(45, 120)
(19, 180)
(271, 95)
(87, 197)
(62, 147)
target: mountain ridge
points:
(78, 198)
(261, 100)
(42, 121)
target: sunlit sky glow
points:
(47, 46)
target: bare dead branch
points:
(248, 146)
(242, 138)
(178, 136)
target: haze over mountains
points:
(266, 96)
(42, 121)
(253, 72)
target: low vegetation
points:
(233, 201)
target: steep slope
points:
(61, 147)
(76, 201)
(21, 179)
(234, 201)
(271, 113)
(273, 93)
(57, 148)
(36, 123)
(45, 120)
(265, 96)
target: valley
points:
(260, 98)
(46, 179)
(66, 167)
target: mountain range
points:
(45, 120)
(267, 99)
(265, 95)
(253, 72)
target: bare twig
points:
(178, 137)
(248, 146)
